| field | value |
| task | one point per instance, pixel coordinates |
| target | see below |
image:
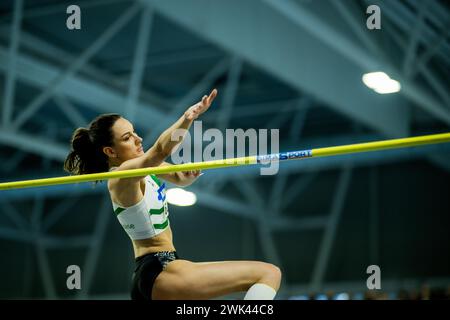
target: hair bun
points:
(81, 141)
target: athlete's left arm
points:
(182, 178)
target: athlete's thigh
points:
(183, 279)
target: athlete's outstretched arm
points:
(164, 145)
(182, 178)
(167, 141)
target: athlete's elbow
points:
(184, 183)
(181, 181)
(154, 157)
(162, 151)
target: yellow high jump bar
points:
(293, 155)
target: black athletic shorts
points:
(148, 267)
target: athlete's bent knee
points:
(272, 275)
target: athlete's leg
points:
(183, 279)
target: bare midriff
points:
(161, 242)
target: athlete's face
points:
(126, 143)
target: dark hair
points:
(86, 155)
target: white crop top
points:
(150, 216)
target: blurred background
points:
(295, 65)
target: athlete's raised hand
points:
(200, 107)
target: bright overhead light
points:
(181, 197)
(381, 83)
(342, 296)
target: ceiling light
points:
(181, 197)
(381, 83)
